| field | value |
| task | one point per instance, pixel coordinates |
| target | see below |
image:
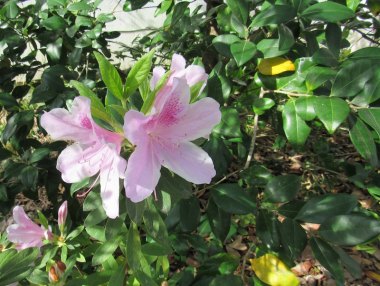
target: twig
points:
(254, 136)
(242, 276)
(289, 93)
(201, 191)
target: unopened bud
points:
(62, 215)
(53, 277)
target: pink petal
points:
(158, 72)
(111, 170)
(143, 173)
(75, 125)
(76, 163)
(133, 127)
(62, 214)
(188, 161)
(195, 74)
(175, 105)
(198, 121)
(178, 63)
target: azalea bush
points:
(239, 139)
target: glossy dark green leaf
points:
(220, 221)
(327, 256)
(39, 154)
(54, 50)
(291, 209)
(317, 76)
(372, 53)
(155, 249)
(333, 38)
(11, 9)
(242, 51)
(332, 111)
(325, 57)
(305, 107)
(29, 177)
(293, 237)
(222, 44)
(134, 248)
(218, 85)
(54, 23)
(328, 11)
(189, 212)
(114, 227)
(118, 277)
(178, 12)
(105, 251)
(154, 224)
(7, 100)
(362, 139)
(371, 116)
(135, 210)
(267, 229)
(274, 14)
(271, 48)
(230, 123)
(350, 229)
(320, 208)
(110, 76)
(79, 6)
(351, 265)
(286, 38)
(281, 189)
(233, 199)
(296, 130)
(226, 280)
(239, 8)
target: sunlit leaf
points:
(277, 65)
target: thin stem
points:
(254, 136)
(201, 191)
(289, 93)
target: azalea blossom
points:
(193, 74)
(25, 233)
(95, 150)
(163, 139)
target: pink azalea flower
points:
(25, 233)
(193, 74)
(163, 139)
(96, 150)
(62, 215)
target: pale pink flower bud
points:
(62, 215)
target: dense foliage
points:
(284, 71)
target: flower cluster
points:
(161, 138)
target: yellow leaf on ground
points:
(275, 66)
(373, 275)
(273, 271)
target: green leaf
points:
(274, 14)
(281, 189)
(286, 38)
(328, 11)
(149, 101)
(154, 224)
(332, 111)
(135, 258)
(11, 9)
(233, 199)
(54, 23)
(230, 123)
(371, 116)
(353, 4)
(350, 230)
(305, 107)
(260, 105)
(317, 76)
(155, 249)
(333, 38)
(77, 186)
(135, 210)
(359, 79)
(29, 177)
(325, 57)
(178, 12)
(296, 130)
(220, 221)
(105, 251)
(362, 139)
(226, 280)
(110, 76)
(222, 44)
(372, 53)
(114, 227)
(189, 213)
(79, 6)
(118, 277)
(327, 256)
(138, 73)
(15, 266)
(351, 265)
(267, 229)
(239, 8)
(38, 155)
(97, 108)
(242, 51)
(7, 100)
(293, 237)
(318, 209)
(270, 48)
